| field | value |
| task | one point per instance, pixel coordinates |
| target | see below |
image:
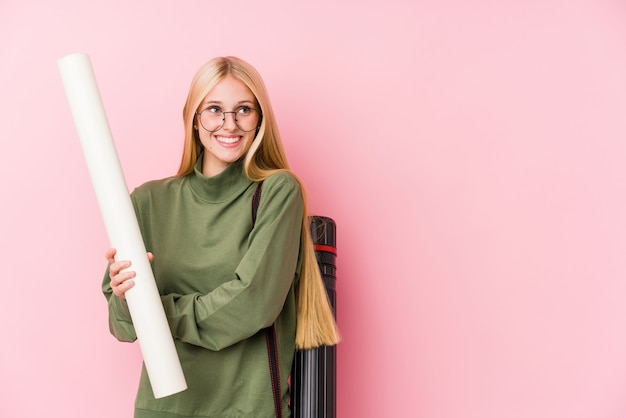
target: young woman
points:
(224, 277)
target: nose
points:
(230, 124)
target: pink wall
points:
(472, 153)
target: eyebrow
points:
(210, 102)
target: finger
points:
(119, 277)
(123, 288)
(116, 267)
(150, 256)
(110, 255)
(121, 282)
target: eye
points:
(244, 110)
(214, 110)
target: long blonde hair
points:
(316, 324)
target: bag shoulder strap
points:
(270, 332)
(256, 199)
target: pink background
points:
(472, 154)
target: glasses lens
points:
(246, 119)
(211, 120)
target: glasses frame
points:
(234, 112)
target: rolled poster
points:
(144, 302)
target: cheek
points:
(249, 141)
(203, 139)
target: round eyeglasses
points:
(213, 118)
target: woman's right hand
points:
(120, 281)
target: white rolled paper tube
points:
(144, 302)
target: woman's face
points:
(225, 144)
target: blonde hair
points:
(316, 324)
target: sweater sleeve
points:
(254, 298)
(120, 322)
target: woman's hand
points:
(120, 281)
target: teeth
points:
(228, 140)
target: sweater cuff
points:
(121, 308)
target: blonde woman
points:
(226, 277)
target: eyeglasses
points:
(212, 118)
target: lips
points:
(228, 141)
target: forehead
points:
(229, 90)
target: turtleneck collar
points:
(229, 183)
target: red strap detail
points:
(326, 248)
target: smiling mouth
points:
(228, 140)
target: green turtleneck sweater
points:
(222, 282)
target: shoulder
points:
(281, 197)
(281, 179)
(156, 188)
